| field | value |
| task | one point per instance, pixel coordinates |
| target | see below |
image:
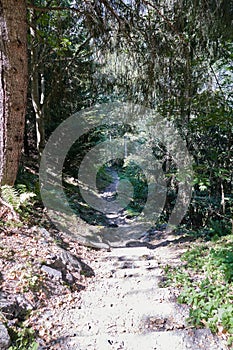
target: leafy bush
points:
(206, 282)
(214, 230)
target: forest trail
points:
(125, 308)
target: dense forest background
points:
(173, 56)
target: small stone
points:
(52, 272)
(70, 261)
(44, 232)
(69, 278)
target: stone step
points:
(192, 339)
(127, 285)
(148, 262)
(124, 308)
(125, 252)
(139, 315)
(130, 299)
(122, 261)
(163, 254)
(136, 272)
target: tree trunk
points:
(13, 86)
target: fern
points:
(18, 197)
(10, 195)
(25, 196)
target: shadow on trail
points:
(120, 228)
(165, 243)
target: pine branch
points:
(53, 8)
(170, 24)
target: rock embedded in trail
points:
(70, 261)
(54, 273)
(65, 266)
(14, 306)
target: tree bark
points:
(13, 86)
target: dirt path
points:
(124, 307)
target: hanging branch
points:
(121, 20)
(184, 41)
(106, 4)
(174, 29)
(53, 8)
(38, 15)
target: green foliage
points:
(23, 339)
(206, 282)
(213, 229)
(174, 276)
(103, 178)
(222, 259)
(29, 181)
(131, 172)
(19, 197)
(219, 228)
(10, 195)
(169, 62)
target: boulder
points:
(4, 337)
(14, 306)
(62, 267)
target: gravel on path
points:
(125, 308)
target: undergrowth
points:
(23, 339)
(20, 198)
(206, 282)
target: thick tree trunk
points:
(13, 86)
